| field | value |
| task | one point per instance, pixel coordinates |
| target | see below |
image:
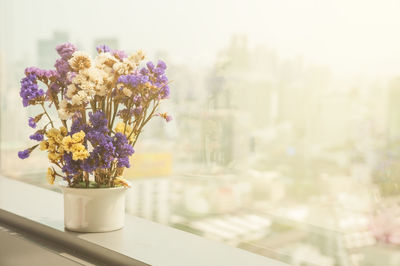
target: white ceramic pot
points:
(94, 209)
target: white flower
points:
(63, 114)
(94, 75)
(101, 90)
(79, 79)
(135, 58)
(121, 68)
(71, 89)
(88, 86)
(80, 60)
(63, 104)
(105, 60)
(76, 100)
(80, 98)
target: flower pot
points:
(94, 209)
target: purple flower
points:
(29, 90)
(54, 87)
(32, 122)
(164, 92)
(126, 113)
(99, 121)
(161, 64)
(24, 154)
(123, 162)
(150, 65)
(41, 73)
(71, 167)
(63, 70)
(137, 110)
(122, 150)
(102, 48)
(144, 71)
(119, 54)
(103, 153)
(168, 118)
(77, 125)
(37, 136)
(62, 66)
(66, 50)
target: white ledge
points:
(140, 242)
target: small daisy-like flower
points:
(80, 60)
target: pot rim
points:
(64, 186)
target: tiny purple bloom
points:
(37, 136)
(102, 48)
(32, 122)
(24, 154)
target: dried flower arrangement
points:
(90, 96)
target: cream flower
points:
(105, 60)
(127, 92)
(80, 60)
(76, 100)
(101, 90)
(79, 79)
(135, 58)
(121, 68)
(63, 104)
(80, 98)
(71, 89)
(63, 114)
(93, 74)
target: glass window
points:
(286, 126)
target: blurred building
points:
(46, 52)
(110, 42)
(149, 198)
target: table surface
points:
(140, 239)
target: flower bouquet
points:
(102, 105)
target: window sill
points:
(140, 242)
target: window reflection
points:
(267, 152)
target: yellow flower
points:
(120, 127)
(69, 142)
(77, 147)
(78, 137)
(44, 145)
(51, 175)
(54, 156)
(74, 144)
(53, 133)
(63, 131)
(80, 154)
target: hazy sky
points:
(353, 37)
